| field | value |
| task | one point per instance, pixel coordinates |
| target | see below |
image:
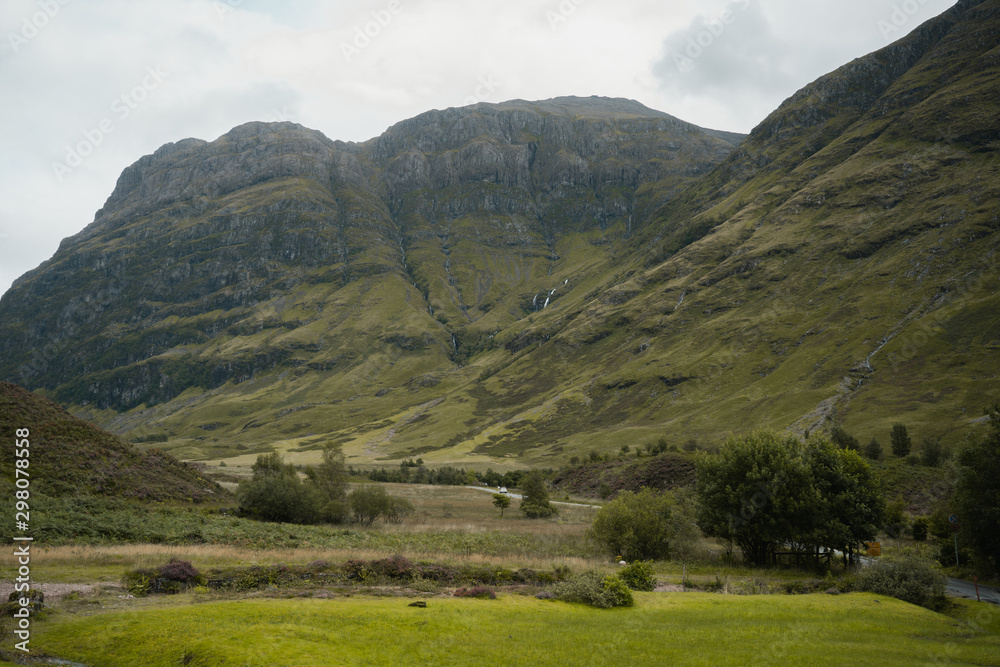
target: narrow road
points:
(490, 489)
(966, 589)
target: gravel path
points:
(54, 591)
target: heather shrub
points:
(638, 576)
(478, 592)
(908, 577)
(597, 590)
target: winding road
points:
(966, 589)
(490, 489)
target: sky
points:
(90, 86)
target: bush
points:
(933, 452)
(908, 577)
(478, 592)
(638, 576)
(597, 590)
(398, 510)
(179, 570)
(873, 449)
(638, 526)
(920, 529)
(899, 439)
(275, 493)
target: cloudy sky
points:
(89, 86)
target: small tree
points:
(933, 452)
(368, 503)
(977, 493)
(641, 526)
(873, 449)
(843, 439)
(275, 493)
(329, 479)
(535, 503)
(501, 501)
(899, 440)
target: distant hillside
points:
(71, 457)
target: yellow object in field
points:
(874, 549)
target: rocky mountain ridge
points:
(517, 282)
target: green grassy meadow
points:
(663, 628)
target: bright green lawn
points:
(663, 629)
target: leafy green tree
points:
(932, 453)
(899, 440)
(851, 506)
(275, 493)
(843, 439)
(535, 503)
(977, 493)
(768, 489)
(756, 491)
(369, 503)
(873, 449)
(329, 478)
(501, 501)
(636, 526)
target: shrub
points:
(479, 592)
(637, 526)
(933, 452)
(899, 439)
(179, 570)
(368, 503)
(920, 529)
(597, 590)
(638, 576)
(908, 577)
(396, 567)
(278, 496)
(873, 449)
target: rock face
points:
(536, 279)
(198, 238)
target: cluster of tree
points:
(976, 500)
(653, 448)
(900, 443)
(275, 492)
(411, 472)
(535, 502)
(414, 472)
(768, 491)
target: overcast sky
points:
(89, 86)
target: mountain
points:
(69, 457)
(521, 281)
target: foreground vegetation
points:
(517, 630)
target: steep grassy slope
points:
(70, 457)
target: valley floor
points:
(663, 628)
